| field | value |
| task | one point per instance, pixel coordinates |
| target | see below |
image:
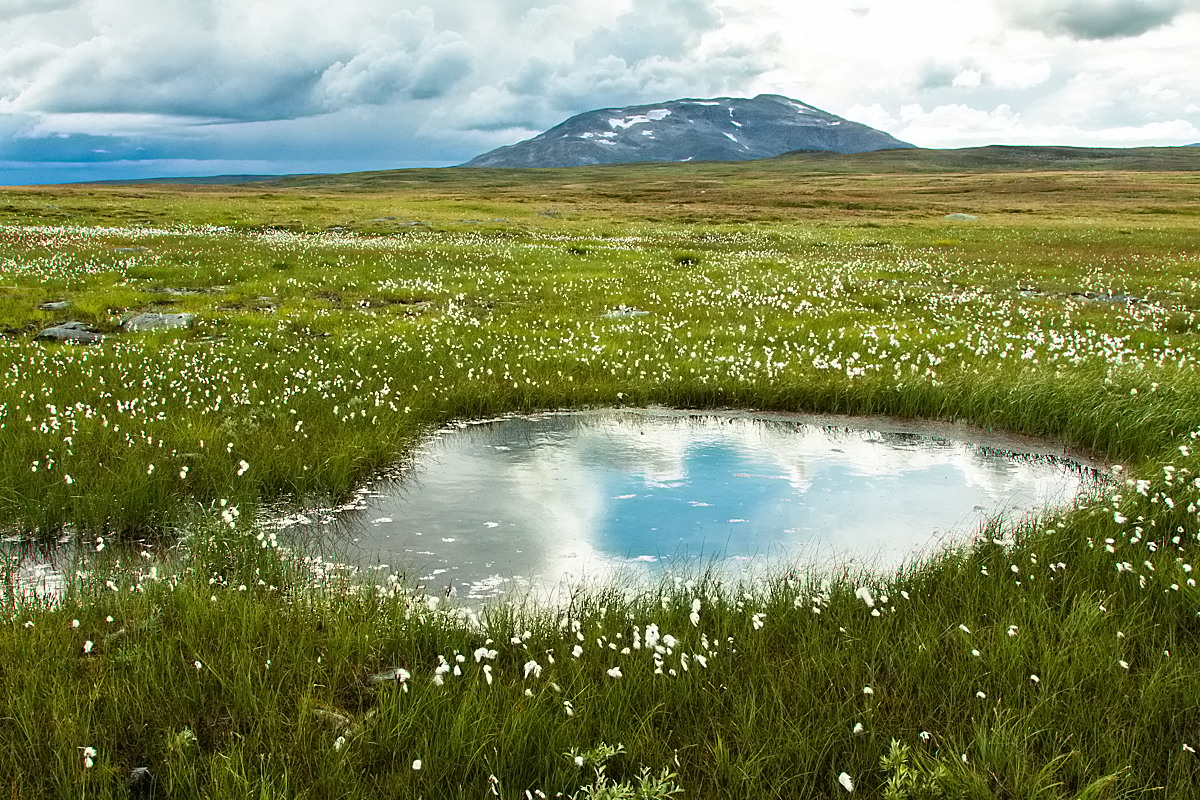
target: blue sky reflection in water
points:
(552, 499)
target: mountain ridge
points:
(690, 129)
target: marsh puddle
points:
(550, 500)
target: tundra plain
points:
(195, 651)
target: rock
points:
(333, 719)
(1096, 297)
(55, 305)
(142, 783)
(73, 332)
(961, 218)
(130, 249)
(622, 311)
(151, 321)
(381, 219)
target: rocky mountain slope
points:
(717, 129)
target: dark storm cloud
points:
(1095, 19)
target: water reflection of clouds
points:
(582, 495)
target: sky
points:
(114, 89)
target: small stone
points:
(625, 311)
(55, 305)
(150, 321)
(130, 249)
(1096, 297)
(73, 332)
(332, 718)
(142, 782)
(961, 218)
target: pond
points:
(547, 501)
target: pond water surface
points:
(549, 500)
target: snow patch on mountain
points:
(690, 129)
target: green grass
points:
(320, 358)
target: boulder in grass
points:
(152, 321)
(73, 332)
(55, 305)
(961, 218)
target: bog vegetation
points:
(192, 651)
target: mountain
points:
(717, 129)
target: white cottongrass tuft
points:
(615, 672)
(864, 594)
(416, 764)
(846, 781)
(89, 754)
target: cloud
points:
(12, 9)
(651, 50)
(960, 125)
(381, 73)
(651, 29)
(235, 61)
(1095, 19)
